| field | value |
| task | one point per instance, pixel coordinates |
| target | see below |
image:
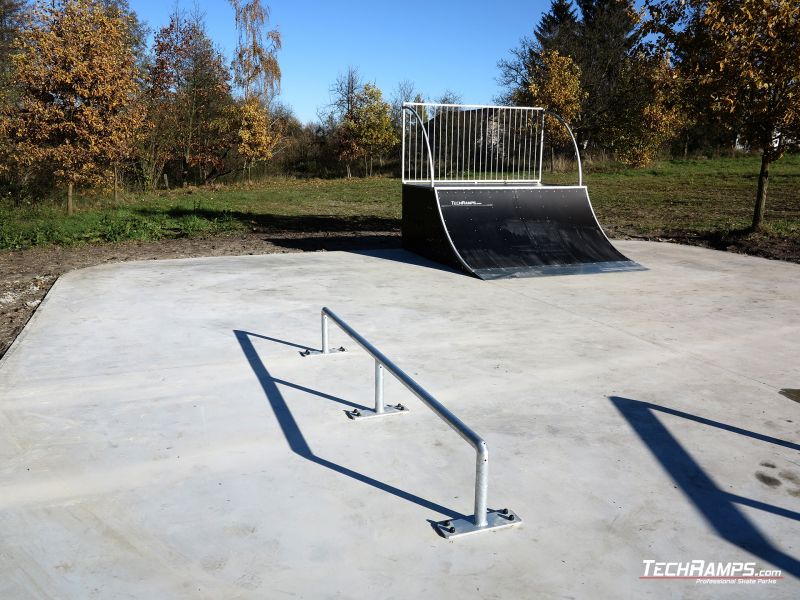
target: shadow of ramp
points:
(337, 242)
(294, 436)
(718, 507)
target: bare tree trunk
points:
(761, 194)
(116, 185)
(70, 207)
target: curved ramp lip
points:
(447, 234)
(594, 216)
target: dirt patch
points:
(740, 242)
(27, 275)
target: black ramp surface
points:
(511, 232)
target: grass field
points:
(706, 201)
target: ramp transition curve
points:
(499, 232)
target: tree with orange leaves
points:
(74, 75)
(740, 61)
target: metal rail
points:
(483, 519)
(475, 144)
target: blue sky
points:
(437, 45)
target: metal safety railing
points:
(483, 518)
(475, 144)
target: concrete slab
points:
(162, 437)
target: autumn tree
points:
(557, 30)
(362, 121)
(338, 123)
(11, 18)
(258, 133)
(556, 85)
(257, 74)
(255, 64)
(741, 60)
(651, 112)
(75, 76)
(373, 119)
(603, 39)
(194, 127)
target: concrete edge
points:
(27, 327)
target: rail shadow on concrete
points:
(294, 436)
(718, 507)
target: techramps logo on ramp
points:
(470, 203)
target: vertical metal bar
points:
(379, 407)
(541, 149)
(439, 144)
(424, 162)
(403, 146)
(534, 146)
(528, 130)
(453, 133)
(471, 146)
(506, 130)
(324, 333)
(461, 146)
(513, 145)
(468, 127)
(521, 154)
(519, 143)
(446, 115)
(417, 147)
(490, 158)
(411, 149)
(482, 121)
(456, 140)
(481, 485)
(452, 145)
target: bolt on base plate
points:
(310, 352)
(366, 413)
(497, 519)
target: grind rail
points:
(483, 518)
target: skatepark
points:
(167, 435)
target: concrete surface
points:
(148, 450)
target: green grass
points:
(681, 199)
(698, 197)
(276, 205)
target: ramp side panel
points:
(528, 232)
(423, 231)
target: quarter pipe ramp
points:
(498, 232)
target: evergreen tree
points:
(557, 29)
(11, 14)
(609, 35)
